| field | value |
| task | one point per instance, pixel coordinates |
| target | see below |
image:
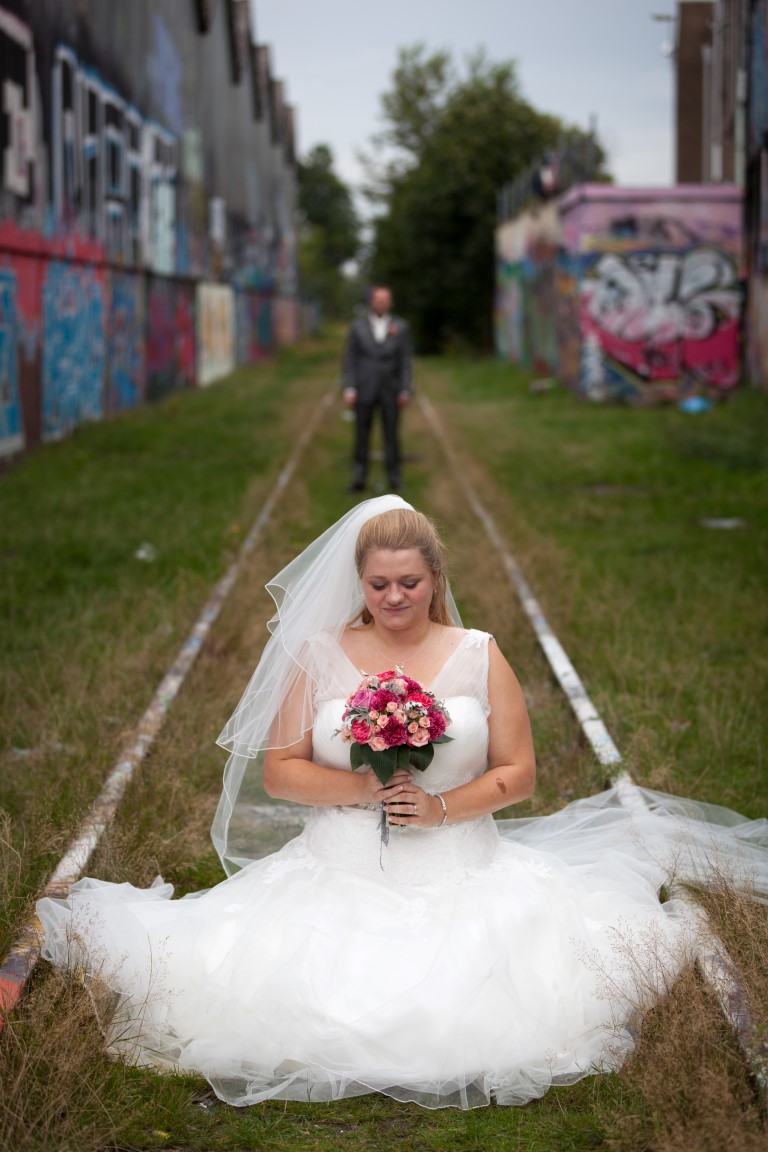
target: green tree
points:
(328, 230)
(453, 142)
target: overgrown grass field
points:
(664, 618)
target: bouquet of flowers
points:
(391, 722)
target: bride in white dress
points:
(466, 960)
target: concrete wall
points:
(147, 197)
(624, 293)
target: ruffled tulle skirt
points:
(454, 966)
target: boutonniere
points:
(393, 330)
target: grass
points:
(665, 619)
(601, 506)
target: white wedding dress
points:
(478, 961)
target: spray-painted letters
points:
(665, 314)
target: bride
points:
(463, 960)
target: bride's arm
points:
(511, 774)
(290, 773)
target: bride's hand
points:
(412, 807)
(374, 792)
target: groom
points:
(377, 375)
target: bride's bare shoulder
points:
(451, 635)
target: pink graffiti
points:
(663, 315)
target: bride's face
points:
(398, 588)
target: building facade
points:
(147, 205)
(721, 59)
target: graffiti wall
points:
(216, 332)
(11, 422)
(74, 347)
(658, 276)
(171, 337)
(526, 312)
(121, 191)
(625, 293)
(125, 346)
(254, 327)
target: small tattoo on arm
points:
(500, 784)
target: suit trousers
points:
(387, 403)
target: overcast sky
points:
(576, 59)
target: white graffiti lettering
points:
(664, 296)
(114, 173)
(19, 106)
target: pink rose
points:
(346, 735)
(377, 744)
(392, 706)
(361, 699)
(419, 738)
(373, 714)
(394, 734)
(424, 722)
(383, 720)
(362, 730)
(413, 726)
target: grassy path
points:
(601, 507)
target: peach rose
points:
(419, 738)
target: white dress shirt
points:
(380, 324)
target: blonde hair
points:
(395, 531)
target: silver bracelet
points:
(445, 810)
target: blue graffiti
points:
(126, 343)
(11, 427)
(74, 353)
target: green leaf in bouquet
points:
(403, 756)
(383, 763)
(356, 755)
(421, 758)
(443, 739)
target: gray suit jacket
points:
(371, 368)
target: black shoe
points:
(355, 486)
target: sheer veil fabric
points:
(318, 593)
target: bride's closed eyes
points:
(405, 583)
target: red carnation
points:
(418, 697)
(437, 724)
(394, 734)
(362, 730)
(380, 699)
